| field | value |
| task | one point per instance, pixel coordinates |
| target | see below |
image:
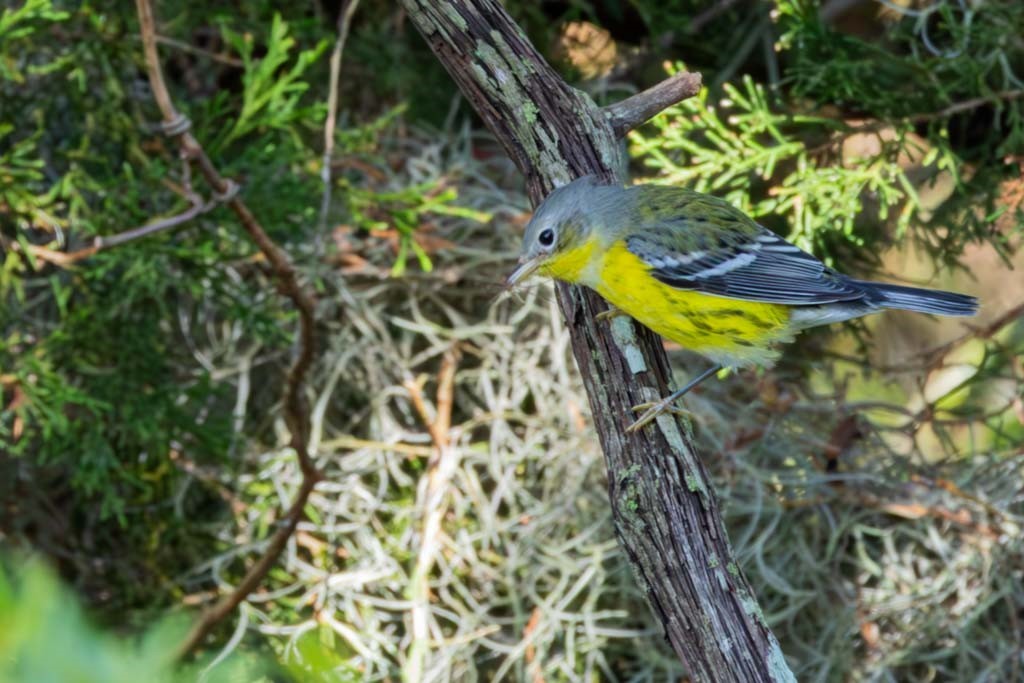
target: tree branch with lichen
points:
(665, 511)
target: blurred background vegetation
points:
(872, 482)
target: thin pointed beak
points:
(525, 270)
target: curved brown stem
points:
(296, 411)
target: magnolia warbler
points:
(700, 272)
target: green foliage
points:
(20, 169)
(19, 24)
(379, 67)
(140, 430)
(105, 372)
(317, 660)
(107, 365)
(918, 114)
(946, 70)
(45, 637)
(765, 162)
(271, 95)
(936, 56)
(830, 66)
(404, 210)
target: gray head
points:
(565, 219)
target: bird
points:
(700, 272)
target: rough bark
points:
(665, 511)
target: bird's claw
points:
(652, 409)
(610, 314)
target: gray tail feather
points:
(920, 300)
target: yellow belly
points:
(729, 331)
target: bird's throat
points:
(573, 265)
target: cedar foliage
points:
(122, 443)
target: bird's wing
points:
(706, 245)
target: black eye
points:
(546, 237)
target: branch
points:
(931, 358)
(101, 243)
(634, 111)
(106, 242)
(665, 511)
(876, 125)
(967, 105)
(431, 493)
(296, 412)
(348, 9)
(197, 209)
(225, 59)
(698, 23)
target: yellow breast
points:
(729, 331)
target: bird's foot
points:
(652, 410)
(610, 314)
